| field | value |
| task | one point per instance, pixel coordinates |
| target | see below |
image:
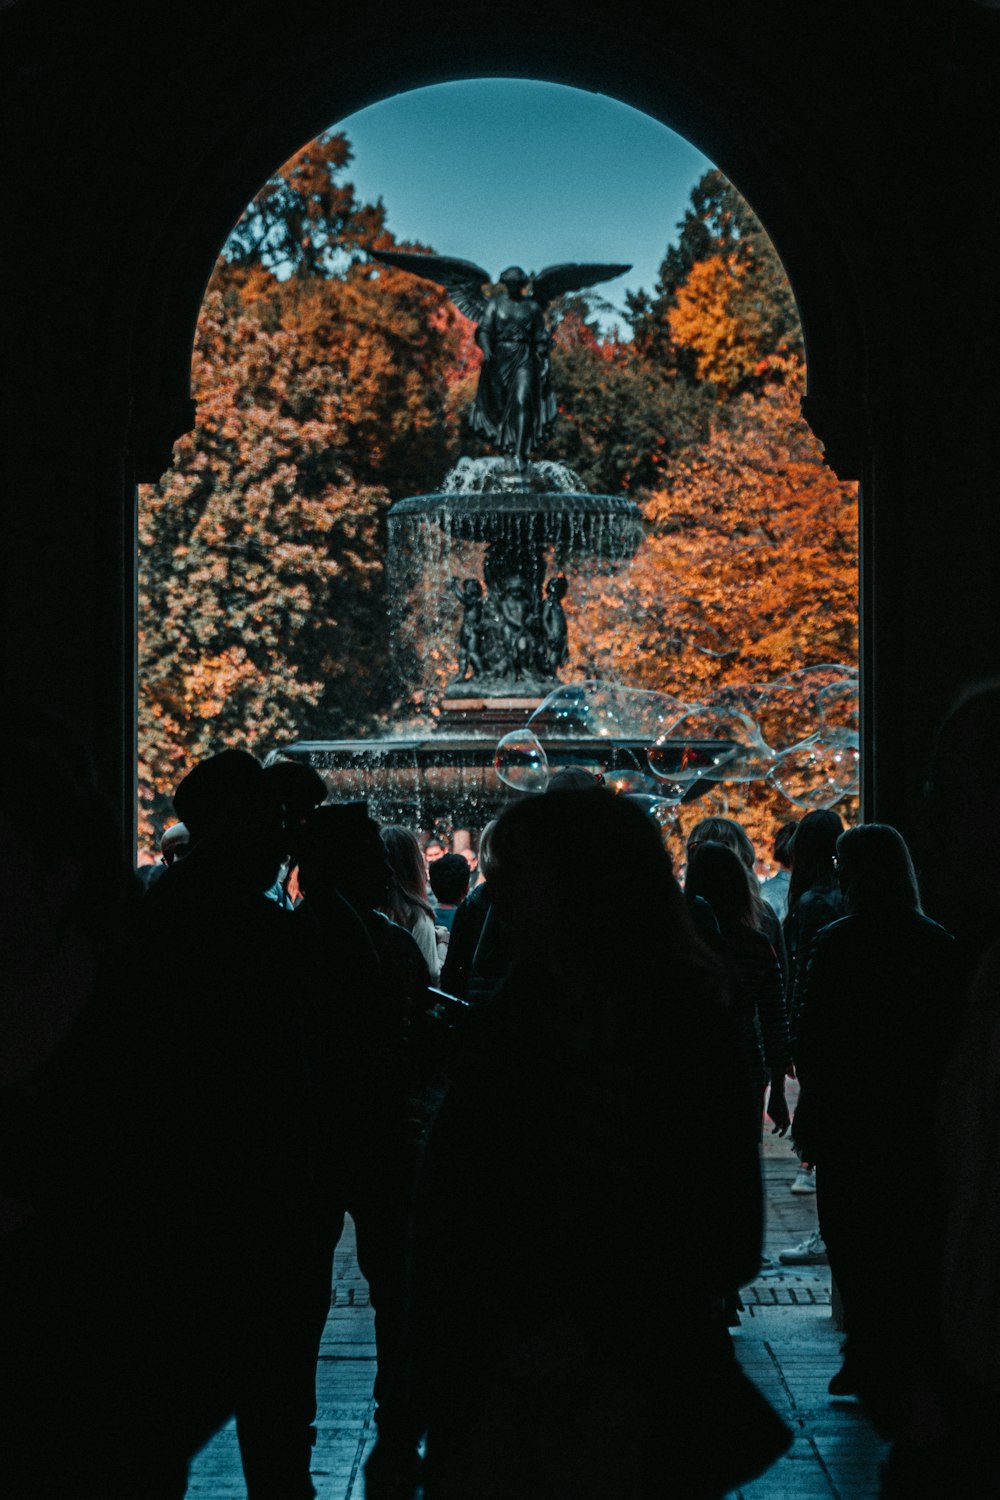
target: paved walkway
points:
(787, 1343)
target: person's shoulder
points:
(842, 929)
(392, 936)
(479, 899)
(933, 933)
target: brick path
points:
(787, 1343)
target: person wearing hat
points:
(248, 1255)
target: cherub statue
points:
(519, 621)
(554, 628)
(515, 408)
(470, 636)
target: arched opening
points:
(812, 115)
(746, 576)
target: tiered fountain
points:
(526, 523)
(528, 520)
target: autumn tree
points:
(749, 567)
(305, 221)
(321, 398)
(722, 308)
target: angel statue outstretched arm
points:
(514, 409)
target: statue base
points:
(488, 715)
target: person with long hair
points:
(407, 902)
(877, 1014)
(552, 1157)
(727, 831)
(717, 875)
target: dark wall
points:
(865, 137)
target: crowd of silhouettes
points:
(203, 1075)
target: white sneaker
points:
(811, 1252)
(805, 1180)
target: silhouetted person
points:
(450, 878)
(880, 1005)
(949, 1445)
(246, 1151)
(364, 1045)
(89, 1354)
(549, 1161)
(174, 844)
(756, 990)
(814, 897)
(476, 962)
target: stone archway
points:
(178, 406)
(773, 177)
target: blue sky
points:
(501, 170)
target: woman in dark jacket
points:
(552, 1157)
(718, 876)
(877, 1015)
(814, 897)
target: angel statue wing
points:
(462, 280)
(554, 281)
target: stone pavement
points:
(789, 1346)
(787, 1343)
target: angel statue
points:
(514, 408)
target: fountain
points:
(523, 524)
(526, 521)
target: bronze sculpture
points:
(470, 636)
(554, 631)
(515, 408)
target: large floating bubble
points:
(604, 710)
(819, 772)
(521, 762)
(589, 707)
(788, 710)
(644, 714)
(711, 741)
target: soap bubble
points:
(591, 707)
(597, 761)
(643, 714)
(714, 742)
(662, 812)
(840, 707)
(678, 763)
(521, 762)
(819, 772)
(790, 709)
(604, 710)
